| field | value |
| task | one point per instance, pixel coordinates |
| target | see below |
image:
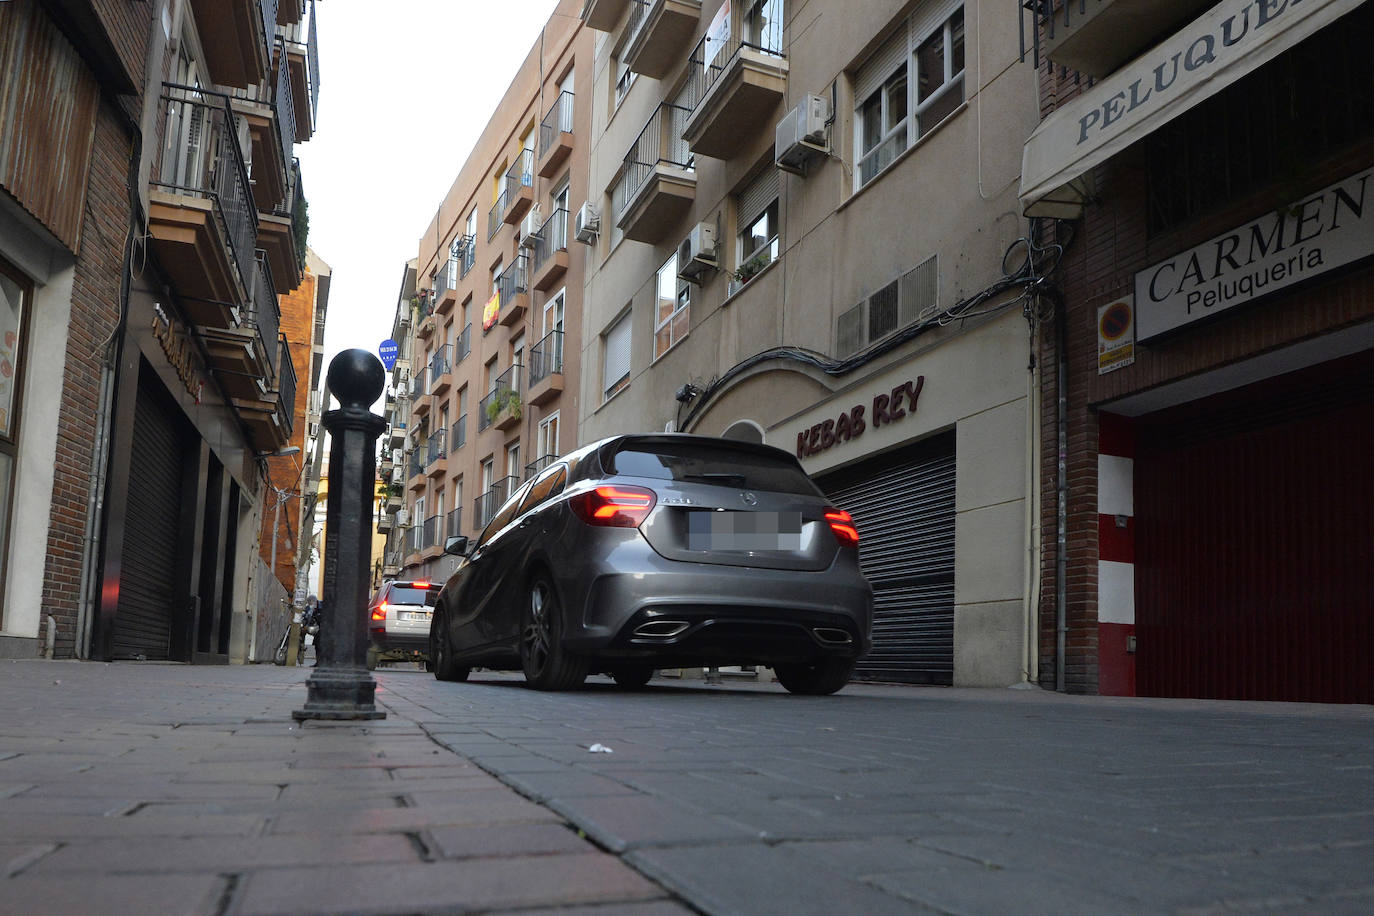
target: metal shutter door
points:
(143, 623)
(903, 506)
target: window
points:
(763, 24)
(14, 304)
(553, 315)
(671, 308)
(931, 45)
(545, 487)
(513, 466)
(624, 79)
(548, 436)
(615, 355)
(757, 208)
(472, 224)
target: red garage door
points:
(1255, 541)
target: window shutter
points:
(756, 197)
(880, 66)
(617, 353)
(930, 17)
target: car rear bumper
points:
(687, 614)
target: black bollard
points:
(340, 686)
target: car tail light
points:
(380, 612)
(420, 583)
(614, 507)
(843, 526)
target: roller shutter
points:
(147, 587)
(903, 506)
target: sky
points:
(406, 88)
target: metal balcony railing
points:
(537, 465)
(485, 506)
(505, 391)
(264, 313)
(559, 120)
(494, 215)
(466, 252)
(553, 236)
(416, 468)
(519, 175)
(431, 529)
(421, 380)
(312, 61)
(446, 277)
(639, 12)
(286, 110)
(436, 447)
(659, 143)
(286, 385)
(441, 363)
(455, 524)
(710, 58)
(464, 344)
(200, 157)
(460, 432)
(546, 357)
(514, 280)
(414, 538)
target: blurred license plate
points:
(744, 531)
(416, 615)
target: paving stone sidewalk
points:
(144, 788)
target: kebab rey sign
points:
(1324, 231)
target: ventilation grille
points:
(911, 298)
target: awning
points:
(1212, 52)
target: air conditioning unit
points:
(800, 135)
(530, 226)
(398, 474)
(587, 225)
(697, 254)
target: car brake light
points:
(614, 507)
(843, 527)
(422, 583)
(380, 612)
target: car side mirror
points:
(457, 545)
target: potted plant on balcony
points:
(749, 268)
(506, 400)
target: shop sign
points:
(491, 311)
(176, 344)
(1296, 243)
(886, 408)
(1115, 335)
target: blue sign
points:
(388, 351)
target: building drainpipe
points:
(1061, 560)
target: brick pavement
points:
(134, 787)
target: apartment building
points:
(497, 292)
(803, 229)
(152, 213)
(1208, 167)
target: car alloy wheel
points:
(547, 665)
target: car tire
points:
(441, 653)
(818, 678)
(632, 677)
(547, 665)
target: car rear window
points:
(691, 462)
(405, 594)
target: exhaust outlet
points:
(833, 636)
(661, 629)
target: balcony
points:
(236, 39)
(270, 416)
(267, 112)
(534, 467)
(436, 454)
(301, 46)
(602, 15)
(454, 527)
(551, 250)
(426, 327)
(414, 542)
(396, 433)
(657, 183)
(556, 135)
(441, 371)
(463, 345)
(458, 436)
(446, 286)
(658, 32)
(498, 207)
(431, 532)
(419, 404)
(202, 221)
(290, 11)
(519, 189)
(484, 507)
(467, 255)
(513, 289)
(1095, 38)
(244, 357)
(546, 369)
(415, 469)
(736, 89)
(501, 407)
(279, 230)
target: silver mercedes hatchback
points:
(644, 552)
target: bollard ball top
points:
(356, 378)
